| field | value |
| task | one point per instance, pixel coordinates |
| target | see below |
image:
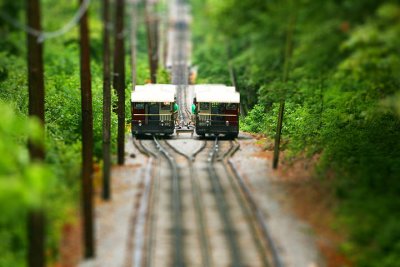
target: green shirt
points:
(193, 109)
(176, 107)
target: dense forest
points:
(53, 185)
(341, 92)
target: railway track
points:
(226, 184)
(178, 259)
(158, 151)
(271, 254)
(223, 206)
(255, 218)
(200, 211)
(197, 201)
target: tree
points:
(119, 77)
(106, 102)
(87, 138)
(36, 217)
(152, 38)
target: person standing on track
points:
(194, 110)
(176, 110)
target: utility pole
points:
(36, 217)
(106, 102)
(288, 54)
(87, 138)
(134, 23)
(152, 38)
(119, 78)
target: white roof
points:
(218, 97)
(150, 86)
(216, 93)
(154, 93)
(213, 87)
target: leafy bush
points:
(341, 98)
(255, 121)
(23, 185)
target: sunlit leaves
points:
(22, 184)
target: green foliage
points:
(255, 121)
(23, 185)
(341, 98)
(163, 76)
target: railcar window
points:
(166, 106)
(217, 108)
(204, 106)
(139, 106)
(231, 106)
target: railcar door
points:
(204, 112)
(153, 111)
(232, 112)
(166, 112)
(138, 112)
(218, 112)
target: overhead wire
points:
(43, 35)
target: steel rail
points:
(176, 206)
(246, 209)
(199, 206)
(226, 154)
(188, 114)
(139, 221)
(153, 196)
(223, 207)
(276, 260)
(142, 216)
(198, 151)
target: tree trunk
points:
(87, 139)
(288, 54)
(35, 74)
(119, 78)
(35, 218)
(134, 22)
(106, 103)
(152, 40)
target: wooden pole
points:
(36, 238)
(87, 138)
(288, 53)
(36, 217)
(278, 133)
(119, 78)
(149, 43)
(35, 74)
(155, 42)
(134, 25)
(106, 103)
(152, 40)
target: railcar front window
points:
(217, 108)
(204, 106)
(166, 106)
(231, 106)
(139, 106)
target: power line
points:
(43, 35)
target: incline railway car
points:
(152, 109)
(216, 110)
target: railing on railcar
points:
(154, 118)
(207, 119)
